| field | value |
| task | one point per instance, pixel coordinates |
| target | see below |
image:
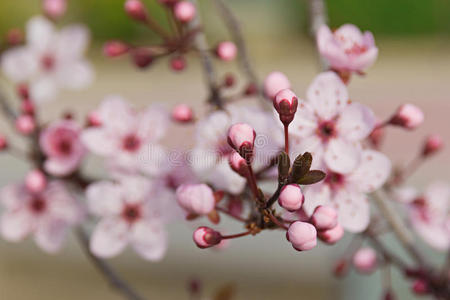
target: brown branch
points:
(317, 18)
(105, 269)
(8, 111)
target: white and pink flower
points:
(128, 138)
(50, 60)
(62, 146)
(47, 214)
(130, 215)
(347, 48)
(329, 126)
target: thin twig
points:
(318, 17)
(8, 111)
(105, 269)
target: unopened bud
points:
(205, 237)
(35, 181)
(115, 48)
(184, 11)
(182, 113)
(432, 144)
(286, 103)
(408, 116)
(25, 124)
(54, 9)
(142, 57)
(226, 51)
(136, 10)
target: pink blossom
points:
(196, 198)
(55, 8)
(302, 236)
(62, 146)
(324, 217)
(330, 126)
(347, 48)
(25, 124)
(285, 104)
(365, 260)
(46, 214)
(177, 63)
(115, 48)
(205, 237)
(275, 82)
(333, 235)
(346, 192)
(35, 181)
(184, 11)
(182, 113)
(226, 51)
(127, 138)
(408, 116)
(241, 137)
(136, 10)
(291, 197)
(433, 144)
(50, 60)
(429, 213)
(130, 215)
(238, 164)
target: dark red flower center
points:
(335, 180)
(48, 62)
(131, 143)
(131, 213)
(327, 130)
(65, 146)
(37, 205)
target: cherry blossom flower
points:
(330, 126)
(130, 215)
(128, 138)
(346, 192)
(429, 213)
(47, 214)
(210, 156)
(365, 260)
(196, 198)
(50, 60)
(62, 145)
(347, 48)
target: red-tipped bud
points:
(142, 57)
(420, 287)
(35, 181)
(23, 91)
(286, 103)
(14, 36)
(25, 124)
(333, 235)
(229, 80)
(432, 144)
(251, 89)
(115, 48)
(196, 198)
(376, 136)
(407, 116)
(136, 10)
(182, 113)
(178, 63)
(226, 51)
(341, 268)
(93, 119)
(275, 82)
(27, 107)
(184, 11)
(302, 236)
(291, 197)
(365, 260)
(238, 164)
(54, 9)
(241, 137)
(3, 142)
(205, 237)
(324, 217)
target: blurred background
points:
(413, 66)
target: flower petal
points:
(109, 238)
(19, 64)
(152, 123)
(104, 198)
(152, 158)
(305, 121)
(149, 239)
(75, 75)
(50, 235)
(40, 33)
(353, 210)
(356, 122)
(61, 167)
(117, 115)
(312, 144)
(16, 225)
(13, 196)
(224, 178)
(365, 60)
(43, 89)
(99, 141)
(315, 195)
(71, 42)
(135, 189)
(342, 156)
(434, 234)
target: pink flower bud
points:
(205, 237)
(142, 57)
(23, 91)
(251, 89)
(275, 82)
(54, 8)
(136, 10)
(286, 103)
(408, 116)
(115, 48)
(35, 181)
(420, 287)
(184, 11)
(433, 144)
(365, 260)
(93, 119)
(291, 197)
(3, 142)
(229, 80)
(238, 164)
(340, 268)
(25, 124)
(14, 36)
(27, 107)
(377, 135)
(332, 235)
(302, 235)
(241, 137)
(182, 113)
(177, 63)
(196, 198)
(324, 217)
(226, 51)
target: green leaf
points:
(301, 166)
(312, 177)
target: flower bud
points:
(25, 124)
(229, 80)
(35, 181)
(365, 260)
(377, 135)
(302, 235)
(205, 237)
(136, 10)
(177, 63)
(3, 142)
(115, 48)
(142, 57)
(286, 103)
(23, 91)
(27, 107)
(182, 113)
(251, 89)
(408, 116)
(14, 36)
(324, 217)
(291, 197)
(184, 11)
(275, 82)
(93, 119)
(420, 287)
(340, 268)
(226, 51)
(241, 137)
(238, 164)
(433, 144)
(196, 198)
(331, 236)
(54, 8)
